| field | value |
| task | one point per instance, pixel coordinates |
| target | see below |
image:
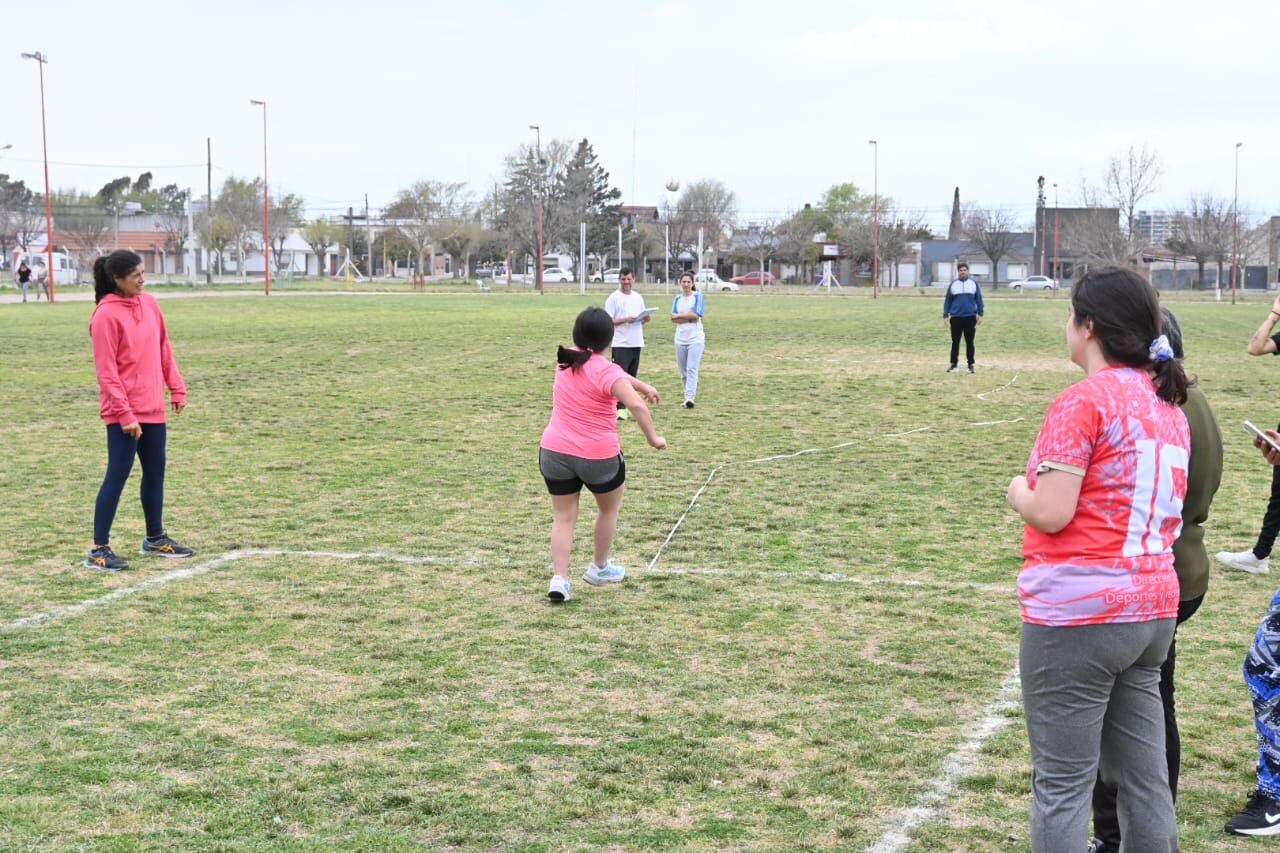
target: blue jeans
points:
(688, 360)
(121, 449)
(1262, 675)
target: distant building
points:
(1060, 234)
(1154, 228)
(939, 259)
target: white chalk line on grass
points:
(778, 457)
(959, 763)
(955, 767)
(193, 571)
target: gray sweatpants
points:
(1092, 703)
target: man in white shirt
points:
(626, 309)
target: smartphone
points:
(1262, 435)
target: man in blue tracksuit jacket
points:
(962, 309)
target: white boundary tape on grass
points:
(983, 395)
(955, 767)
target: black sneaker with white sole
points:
(1260, 817)
(163, 546)
(102, 559)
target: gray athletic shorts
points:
(566, 475)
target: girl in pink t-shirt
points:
(580, 446)
(1102, 501)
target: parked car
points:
(709, 280)
(755, 277)
(609, 276)
(1034, 282)
(556, 274)
(484, 271)
(499, 272)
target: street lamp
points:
(266, 206)
(1235, 227)
(875, 224)
(538, 130)
(48, 201)
(1057, 273)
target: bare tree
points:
(992, 231)
(758, 244)
(1096, 238)
(796, 237)
(708, 205)
(1129, 181)
(898, 228)
(29, 222)
(419, 212)
(85, 223)
(1203, 232)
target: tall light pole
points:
(48, 201)
(1057, 273)
(875, 223)
(1235, 227)
(266, 207)
(538, 130)
(4, 249)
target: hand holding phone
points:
(1271, 442)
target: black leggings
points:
(121, 449)
(965, 326)
(628, 358)
(1271, 521)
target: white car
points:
(1035, 282)
(609, 276)
(708, 280)
(556, 274)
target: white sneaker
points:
(609, 574)
(560, 589)
(1244, 561)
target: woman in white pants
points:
(686, 313)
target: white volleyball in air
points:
(673, 184)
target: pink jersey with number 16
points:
(1114, 561)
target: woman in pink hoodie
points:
(135, 363)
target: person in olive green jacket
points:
(1191, 561)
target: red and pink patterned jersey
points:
(1114, 561)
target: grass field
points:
(817, 639)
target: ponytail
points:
(592, 332)
(1171, 381)
(572, 358)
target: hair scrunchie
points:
(1160, 349)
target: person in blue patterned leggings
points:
(1261, 816)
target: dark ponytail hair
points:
(592, 332)
(107, 269)
(1125, 311)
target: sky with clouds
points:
(778, 100)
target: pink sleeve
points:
(172, 376)
(105, 343)
(1070, 431)
(609, 375)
